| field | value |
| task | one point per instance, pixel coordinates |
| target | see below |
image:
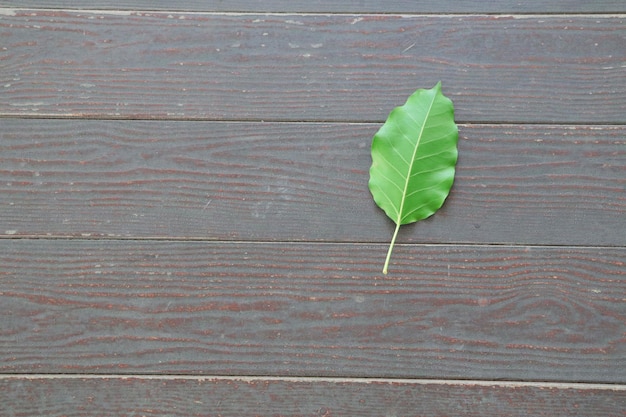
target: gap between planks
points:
(460, 123)
(332, 380)
(195, 239)
(11, 11)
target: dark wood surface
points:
(516, 184)
(112, 397)
(185, 225)
(480, 312)
(558, 69)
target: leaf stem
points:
(393, 241)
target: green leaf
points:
(413, 158)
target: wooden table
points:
(186, 228)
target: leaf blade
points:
(415, 153)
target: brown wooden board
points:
(517, 184)
(469, 312)
(75, 397)
(310, 67)
(342, 6)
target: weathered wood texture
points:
(232, 233)
(97, 306)
(338, 6)
(519, 184)
(73, 397)
(310, 67)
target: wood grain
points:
(329, 6)
(223, 256)
(75, 397)
(520, 184)
(554, 69)
(470, 312)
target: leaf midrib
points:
(412, 161)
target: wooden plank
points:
(74, 397)
(521, 184)
(310, 67)
(329, 6)
(468, 312)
